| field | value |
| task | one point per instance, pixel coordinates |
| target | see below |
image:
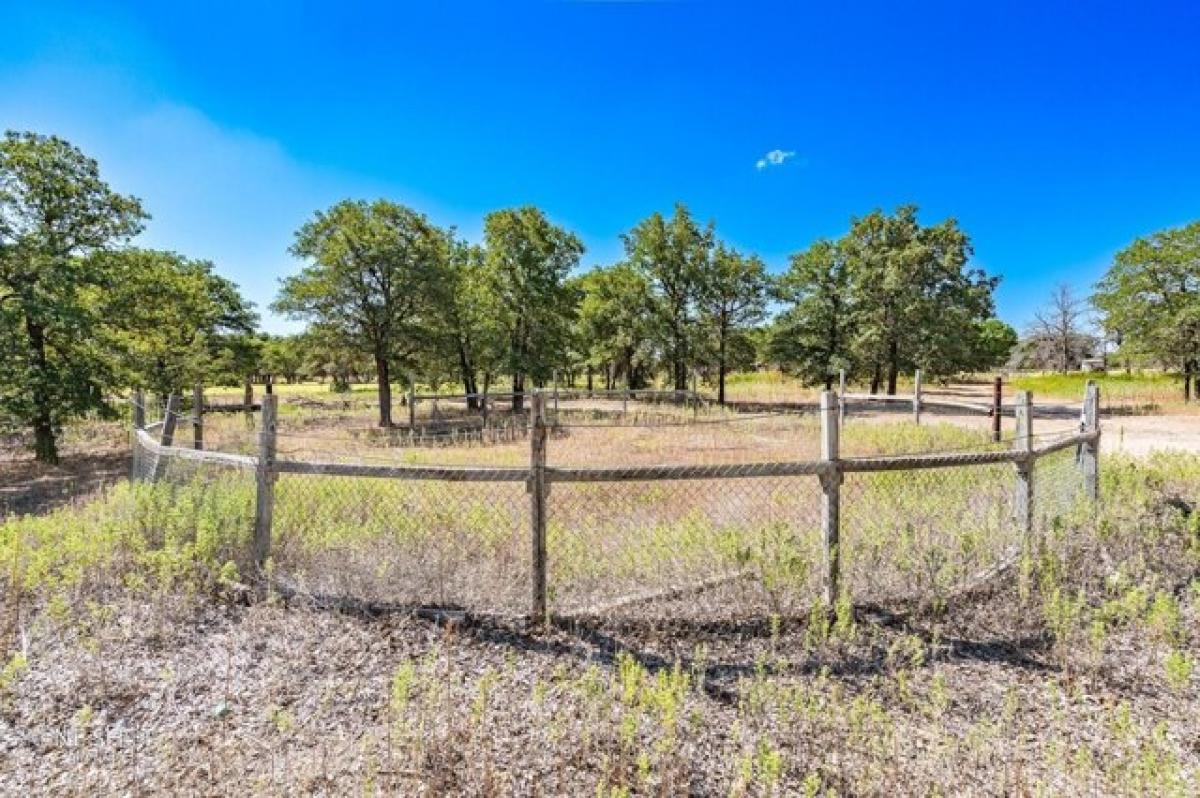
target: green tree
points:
(467, 333)
(673, 256)
(167, 315)
(55, 210)
(916, 302)
(1150, 300)
(732, 299)
(284, 355)
(994, 343)
(813, 335)
(367, 282)
(614, 325)
(528, 260)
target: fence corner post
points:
(1024, 444)
(198, 416)
(1089, 452)
(265, 474)
(841, 397)
(916, 398)
(167, 436)
(537, 491)
(831, 482)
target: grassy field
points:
(1119, 392)
(132, 663)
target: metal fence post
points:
(997, 396)
(265, 478)
(168, 435)
(841, 397)
(831, 483)
(1089, 453)
(198, 416)
(537, 492)
(1024, 443)
(916, 398)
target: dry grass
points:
(1074, 676)
(133, 662)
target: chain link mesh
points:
(462, 545)
(671, 548)
(722, 546)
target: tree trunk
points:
(44, 446)
(893, 368)
(875, 379)
(383, 379)
(518, 392)
(1189, 369)
(590, 369)
(468, 377)
(721, 373)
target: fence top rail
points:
(664, 472)
(907, 462)
(438, 473)
(146, 441)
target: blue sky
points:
(1054, 135)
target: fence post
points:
(1089, 453)
(1024, 443)
(556, 393)
(916, 398)
(167, 437)
(198, 416)
(264, 505)
(841, 397)
(412, 402)
(537, 491)
(831, 483)
(997, 396)
(139, 409)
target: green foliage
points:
(528, 260)
(367, 283)
(614, 326)
(1150, 299)
(55, 211)
(673, 256)
(170, 317)
(889, 296)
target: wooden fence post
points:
(198, 416)
(997, 396)
(139, 409)
(916, 398)
(1089, 453)
(167, 436)
(556, 393)
(841, 397)
(1024, 442)
(537, 491)
(264, 505)
(831, 483)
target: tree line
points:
(386, 293)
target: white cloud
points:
(774, 158)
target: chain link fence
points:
(753, 514)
